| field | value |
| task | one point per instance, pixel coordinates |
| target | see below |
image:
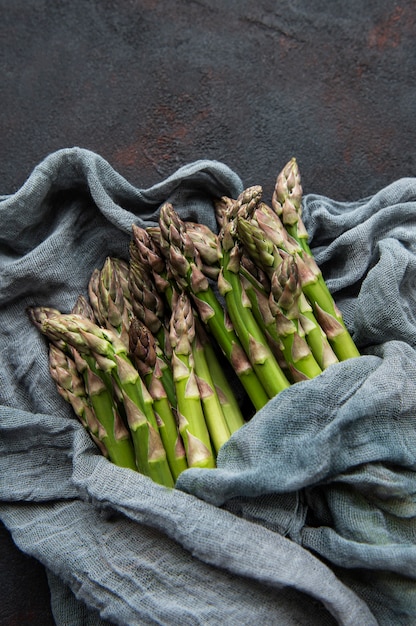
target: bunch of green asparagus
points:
(147, 357)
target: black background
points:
(152, 85)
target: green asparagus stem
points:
(152, 368)
(90, 399)
(212, 408)
(260, 307)
(192, 425)
(181, 259)
(284, 305)
(71, 388)
(144, 347)
(268, 256)
(238, 305)
(111, 431)
(230, 407)
(209, 249)
(315, 336)
(325, 309)
(111, 356)
(287, 201)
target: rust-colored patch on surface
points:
(127, 155)
(156, 144)
(387, 34)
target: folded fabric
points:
(310, 516)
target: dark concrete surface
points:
(153, 84)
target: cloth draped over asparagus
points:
(310, 516)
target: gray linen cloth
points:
(310, 517)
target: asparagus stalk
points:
(102, 420)
(254, 274)
(238, 305)
(71, 388)
(148, 306)
(267, 254)
(106, 374)
(150, 254)
(182, 259)
(208, 247)
(315, 336)
(112, 432)
(284, 305)
(325, 309)
(256, 285)
(111, 307)
(192, 425)
(142, 343)
(217, 391)
(111, 355)
(151, 367)
(211, 405)
(230, 407)
(147, 271)
(287, 201)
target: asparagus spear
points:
(151, 366)
(71, 388)
(254, 274)
(38, 315)
(287, 201)
(112, 432)
(122, 268)
(147, 271)
(211, 405)
(208, 247)
(151, 258)
(217, 388)
(111, 355)
(148, 305)
(325, 309)
(284, 305)
(182, 260)
(238, 305)
(66, 364)
(268, 255)
(111, 307)
(192, 425)
(223, 206)
(230, 407)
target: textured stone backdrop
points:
(153, 84)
